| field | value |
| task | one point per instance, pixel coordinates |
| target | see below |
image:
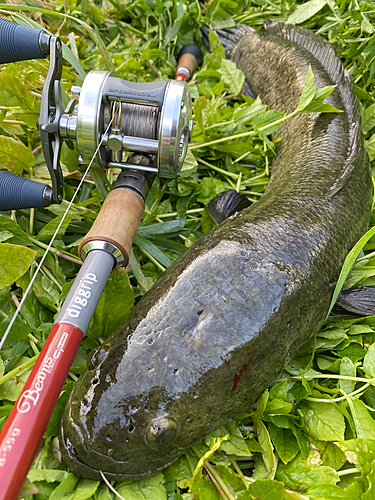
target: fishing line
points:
(110, 486)
(52, 240)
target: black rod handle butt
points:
(21, 43)
(17, 192)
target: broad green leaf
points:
(358, 329)
(305, 11)
(322, 92)
(218, 14)
(276, 406)
(189, 166)
(32, 311)
(247, 114)
(15, 260)
(49, 475)
(102, 493)
(268, 455)
(323, 420)
(163, 228)
(85, 489)
(265, 489)
(5, 235)
(364, 423)
(114, 305)
(46, 233)
(149, 487)
(46, 292)
(308, 90)
(19, 237)
(236, 444)
(199, 105)
(69, 157)
(54, 422)
(14, 94)
(299, 476)
(284, 442)
(320, 107)
(368, 119)
(330, 454)
(19, 331)
(217, 51)
(14, 155)
(353, 351)
(231, 480)
(65, 490)
(232, 76)
(327, 491)
(348, 264)
(203, 488)
(370, 145)
(360, 452)
(264, 122)
(369, 362)
(210, 187)
(11, 389)
(348, 369)
(279, 391)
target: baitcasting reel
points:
(108, 118)
(148, 118)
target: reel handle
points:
(17, 192)
(21, 43)
(116, 223)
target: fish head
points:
(130, 414)
(127, 435)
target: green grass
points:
(286, 441)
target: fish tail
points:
(325, 54)
(229, 37)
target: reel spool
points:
(147, 118)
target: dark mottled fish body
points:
(224, 319)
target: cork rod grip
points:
(189, 61)
(117, 221)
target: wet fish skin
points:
(226, 317)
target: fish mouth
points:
(73, 460)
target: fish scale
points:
(225, 318)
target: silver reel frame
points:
(173, 136)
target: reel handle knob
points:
(17, 192)
(190, 57)
(117, 222)
(21, 43)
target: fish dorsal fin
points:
(325, 54)
(356, 301)
(226, 204)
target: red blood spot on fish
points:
(238, 376)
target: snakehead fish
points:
(225, 318)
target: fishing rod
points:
(141, 128)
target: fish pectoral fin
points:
(359, 301)
(226, 204)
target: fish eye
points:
(161, 432)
